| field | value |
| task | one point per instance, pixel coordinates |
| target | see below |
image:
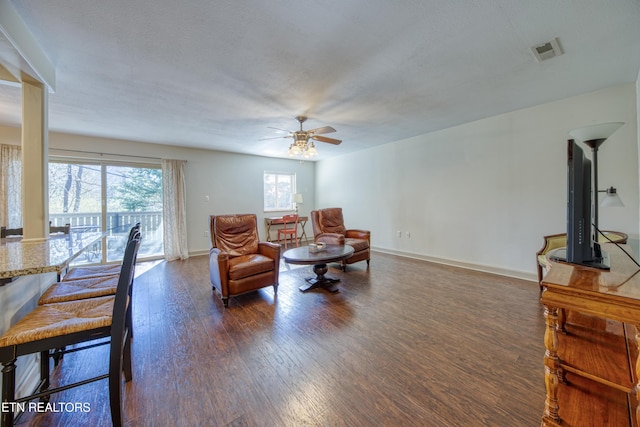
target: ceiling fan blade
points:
(325, 139)
(283, 130)
(324, 129)
(275, 137)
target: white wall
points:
(233, 182)
(638, 117)
(483, 194)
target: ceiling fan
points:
(303, 144)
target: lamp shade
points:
(595, 132)
(298, 198)
(611, 199)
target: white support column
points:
(35, 167)
(29, 64)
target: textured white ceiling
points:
(216, 74)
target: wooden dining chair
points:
(59, 229)
(91, 281)
(291, 233)
(9, 232)
(92, 271)
(60, 325)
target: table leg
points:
(303, 235)
(320, 281)
(551, 366)
(268, 223)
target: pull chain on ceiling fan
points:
(303, 144)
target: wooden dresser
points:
(591, 358)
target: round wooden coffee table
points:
(319, 260)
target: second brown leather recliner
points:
(328, 227)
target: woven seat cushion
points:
(80, 289)
(53, 320)
(92, 271)
(248, 265)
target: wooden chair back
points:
(290, 219)
(64, 229)
(8, 232)
(286, 232)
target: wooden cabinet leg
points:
(562, 320)
(637, 367)
(551, 364)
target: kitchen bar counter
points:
(27, 269)
(19, 258)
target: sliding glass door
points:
(134, 194)
(75, 198)
(109, 198)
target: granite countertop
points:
(19, 258)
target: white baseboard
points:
(199, 253)
(477, 267)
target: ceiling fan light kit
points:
(306, 151)
(303, 144)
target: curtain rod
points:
(106, 154)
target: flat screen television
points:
(581, 248)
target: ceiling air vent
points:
(547, 51)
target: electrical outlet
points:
(407, 235)
(399, 233)
(206, 234)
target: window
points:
(111, 198)
(279, 190)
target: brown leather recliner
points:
(238, 261)
(328, 227)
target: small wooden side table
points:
(275, 220)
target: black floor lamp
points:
(593, 136)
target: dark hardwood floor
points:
(404, 343)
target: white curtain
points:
(10, 186)
(174, 207)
